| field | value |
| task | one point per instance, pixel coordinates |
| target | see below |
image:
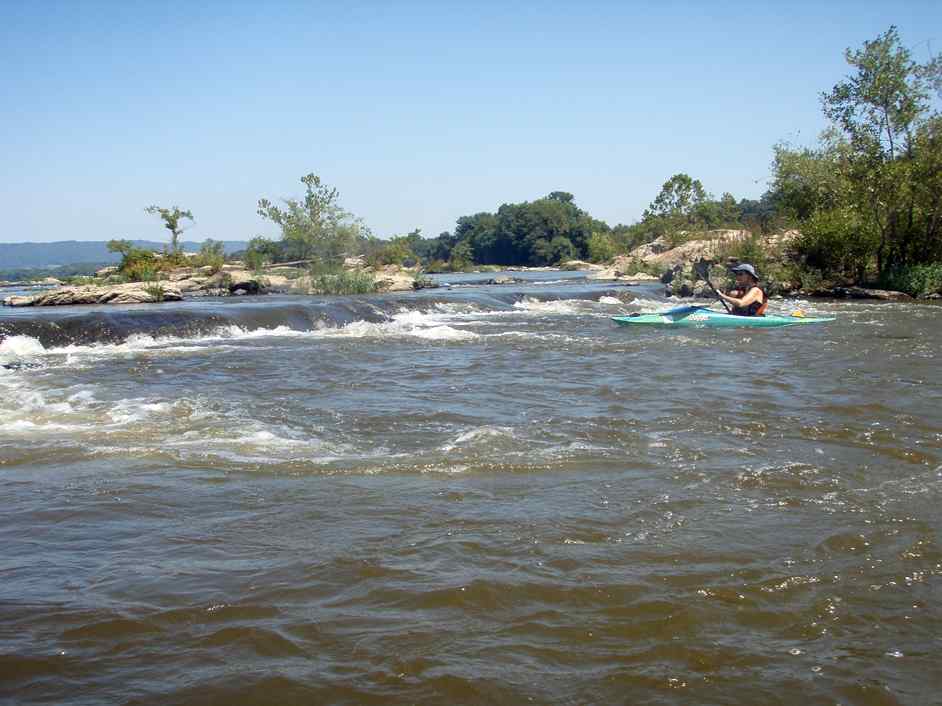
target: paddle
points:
(702, 269)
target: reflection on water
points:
(481, 495)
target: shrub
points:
(260, 252)
(423, 281)
(915, 280)
(395, 252)
(635, 265)
(750, 249)
(212, 254)
(156, 291)
(340, 281)
(139, 265)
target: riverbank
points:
(228, 279)
(677, 266)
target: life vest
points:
(754, 309)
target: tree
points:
(261, 251)
(886, 147)
(316, 227)
(600, 247)
(212, 254)
(678, 200)
(461, 256)
(171, 218)
(806, 181)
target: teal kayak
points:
(701, 317)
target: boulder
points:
(131, 293)
(425, 282)
(577, 265)
(353, 263)
(246, 285)
(501, 279)
(608, 273)
(194, 284)
(686, 288)
(182, 273)
(639, 277)
(393, 278)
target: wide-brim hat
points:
(747, 268)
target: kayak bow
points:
(701, 317)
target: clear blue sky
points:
(418, 112)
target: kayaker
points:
(748, 298)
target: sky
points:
(417, 112)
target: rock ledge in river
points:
(133, 293)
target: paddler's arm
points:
(753, 295)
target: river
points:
(475, 494)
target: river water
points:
(476, 494)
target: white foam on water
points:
(129, 411)
(437, 325)
(537, 335)
(15, 348)
(485, 434)
(642, 304)
(25, 348)
(411, 324)
(27, 410)
(561, 306)
(29, 427)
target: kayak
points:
(701, 317)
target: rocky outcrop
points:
(393, 278)
(704, 246)
(133, 293)
(678, 263)
(623, 269)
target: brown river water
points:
(474, 495)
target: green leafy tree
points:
(395, 251)
(461, 257)
(260, 252)
(212, 254)
(171, 218)
(315, 227)
(678, 200)
(729, 213)
(601, 247)
(806, 181)
(888, 149)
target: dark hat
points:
(747, 268)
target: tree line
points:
(867, 198)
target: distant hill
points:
(69, 252)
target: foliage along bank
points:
(867, 200)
